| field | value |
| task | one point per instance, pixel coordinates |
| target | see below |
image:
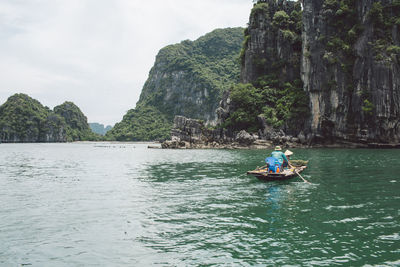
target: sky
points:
(98, 53)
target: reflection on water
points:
(108, 205)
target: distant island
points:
(24, 119)
(99, 128)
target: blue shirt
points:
(280, 156)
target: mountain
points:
(77, 126)
(186, 79)
(327, 71)
(24, 119)
(99, 128)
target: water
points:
(98, 204)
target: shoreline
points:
(271, 145)
(231, 146)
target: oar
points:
(301, 176)
(298, 173)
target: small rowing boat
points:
(262, 173)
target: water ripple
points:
(119, 205)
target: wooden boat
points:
(263, 174)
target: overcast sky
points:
(98, 53)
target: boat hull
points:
(263, 174)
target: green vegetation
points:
(247, 101)
(384, 18)
(343, 19)
(24, 119)
(244, 47)
(281, 19)
(187, 79)
(259, 7)
(144, 123)
(288, 35)
(393, 49)
(282, 105)
(368, 107)
(376, 13)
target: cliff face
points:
(271, 93)
(187, 78)
(350, 67)
(272, 42)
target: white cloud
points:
(97, 53)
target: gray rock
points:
(244, 138)
(301, 137)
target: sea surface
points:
(122, 204)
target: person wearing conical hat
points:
(288, 153)
(280, 156)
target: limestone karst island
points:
(262, 133)
(303, 73)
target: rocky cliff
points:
(346, 54)
(187, 78)
(272, 42)
(350, 68)
(24, 119)
(271, 91)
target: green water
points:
(126, 205)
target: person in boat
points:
(288, 153)
(280, 156)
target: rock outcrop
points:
(190, 133)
